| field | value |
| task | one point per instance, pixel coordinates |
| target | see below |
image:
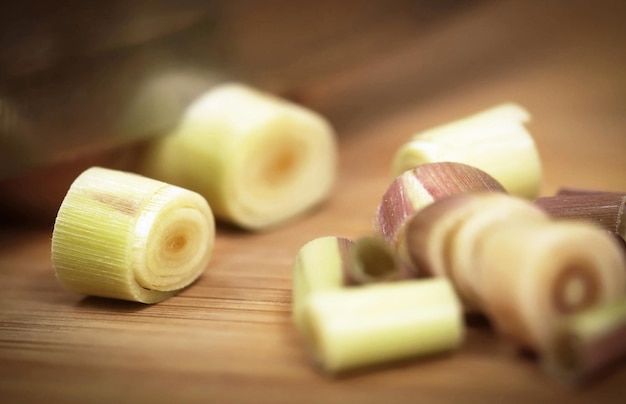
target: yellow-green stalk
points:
(335, 262)
(494, 140)
(588, 342)
(319, 265)
(124, 236)
(257, 159)
(374, 324)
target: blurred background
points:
(84, 83)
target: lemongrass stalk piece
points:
(534, 273)
(257, 159)
(423, 242)
(441, 239)
(498, 209)
(124, 236)
(374, 324)
(319, 265)
(494, 140)
(588, 342)
(603, 208)
(421, 186)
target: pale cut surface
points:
(494, 140)
(124, 236)
(423, 240)
(534, 273)
(441, 240)
(498, 209)
(257, 159)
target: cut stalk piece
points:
(374, 324)
(334, 262)
(442, 239)
(603, 208)
(320, 264)
(421, 186)
(124, 236)
(588, 342)
(258, 160)
(535, 273)
(422, 242)
(498, 209)
(494, 140)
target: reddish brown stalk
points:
(603, 208)
(582, 191)
(421, 186)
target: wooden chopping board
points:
(229, 337)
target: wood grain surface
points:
(228, 338)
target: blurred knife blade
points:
(81, 76)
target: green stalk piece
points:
(257, 159)
(124, 236)
(319, 265)
(335, 262)
(379, 323)
(494, 140)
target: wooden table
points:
(229, 337)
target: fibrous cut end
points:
(125, 236)
(536, 273)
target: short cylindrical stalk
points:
(125, 236)
(373, 324)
